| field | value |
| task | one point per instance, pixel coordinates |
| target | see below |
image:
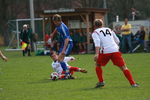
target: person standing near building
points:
(25, 37)
(106, 48)
(126, 37)
(65, 40)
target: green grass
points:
(26, 78)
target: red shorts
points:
(115, 57)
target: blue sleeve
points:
(65, 31)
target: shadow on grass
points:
(93, 88)
(41, 81)
(47, 81)
(106, 88)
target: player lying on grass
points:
(57, 66)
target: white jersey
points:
(106, 39)
(57, 66)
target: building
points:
(78, 18)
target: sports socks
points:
(73, 69)
(99, 73)
(128, 75)
(64, 67)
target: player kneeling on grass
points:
(57, 66)
(106, 48)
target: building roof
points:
(71, 12)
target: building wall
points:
(1, 40)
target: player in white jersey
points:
(106, 48)
(57, 66)
(106, 39)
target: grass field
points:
(26, 78)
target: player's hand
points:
(4, 58)
(61, 56)
(95, 57)
(63, 52)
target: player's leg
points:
(99, 73)
(69, 48)
(61, 59)
(77, 69)
(128, 75)
(119, 61)
(101, 61)
(62, 76)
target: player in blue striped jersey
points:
(65, 40)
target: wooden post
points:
(88, 32)
(44, 29)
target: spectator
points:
(126, 37)
(82, 43)
(139, 38)
(35, 39)
(76, 40)
(47, 45)
(25, 37)
(57, 42)
(74, 43)
(117, 30)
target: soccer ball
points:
(54, 76)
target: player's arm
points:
(61, 57)
(3, 57)
(115, 38)
(51, 37)
(53, 33)
(67, 59)
(124, 30)
(97, 45)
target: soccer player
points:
(57, 66)
(2, 56)
(66, 43)
(106, 48)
